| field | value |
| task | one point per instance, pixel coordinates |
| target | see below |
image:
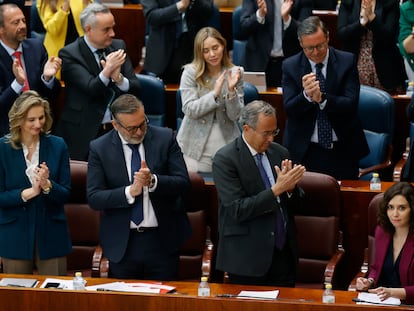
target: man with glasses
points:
(321, 94)
(136, 175)
(256, 185)
(96, 69)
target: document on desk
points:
(152, 288)
(58, 283)
(247, 294)
(370, 298)
(18, 282)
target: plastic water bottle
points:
(375, 183)
(78, 281)
(203, 287)
(338, 5)
(328, 295)
(410, 89)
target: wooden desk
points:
(13, 298)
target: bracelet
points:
(371, 281)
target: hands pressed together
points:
(311, 87)
(232, 79)
(142, 178)
(112, 65)
(287, 177)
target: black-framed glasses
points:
(133, 129)
(320, 47)
(273, 133)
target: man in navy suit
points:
(145, 248)
(96, 70)
(34, 66)
(323, 130)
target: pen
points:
(15, 285)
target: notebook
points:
(258, 79)
(17, 282)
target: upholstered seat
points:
(239, 45)
(401, 165)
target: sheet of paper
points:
(123, 287)
(247, 294)
(367, 298)
(63, 284)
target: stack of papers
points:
(370, 298)
(247, 294)
(17, 282)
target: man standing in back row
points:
(321, 95)
(96, 70)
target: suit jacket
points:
(161, 16)
(406, 27)
(41, 220)
(388, 61)
(86, 96)
(260, 37)
(406, 268)
(108, 177)
(247, 210)
(408, 173)
(35, 57)
(342, 94)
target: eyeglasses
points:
(269, 133)
(319, 47)
(133, 129)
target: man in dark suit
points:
(34, 70)
(143, 223)
(321, 94)
(270, 40)
(256, 185)
(96, 70)
(172, 26)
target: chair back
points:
(373, 208)
(239, 45)
(154, 99)
(250, 92)
(319, 236)
(214, 20)
(36, 26)
(195, 254)
(83, 222)
(376, 111)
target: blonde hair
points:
(18, 113)
(198, 62)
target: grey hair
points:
(88, 15)
(250, 113)
(311, 25)
(126, 103)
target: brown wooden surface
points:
(291, 299)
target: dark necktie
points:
(280, 219)
(137, 212)
(324, 125)
(101, 56)
(18, 56)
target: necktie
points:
(137, 212)
(18, 56)
(280, 219)
(324, 125)
(101, 55)
(277, 36)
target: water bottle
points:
(328, 295)
(410, 89)
(338, 5)
(203, 287)
(78, 281)
(375, 183)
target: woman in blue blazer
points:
(34, 185)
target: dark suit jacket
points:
(388, 61)
(406, 268)
(342, 94)
(108, 177)
(408, 173)
(161, 17)
(260, 37)
(41, 219)
(86, 96)
(247, 210)
(35, 57)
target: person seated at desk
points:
(392, 272)
(212, 95)
(34, 186)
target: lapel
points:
(88, 56)
(149, 147)
(331, 72)
(5, 58)
(118, 158)
(406, 264)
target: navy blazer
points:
(247, 210)
(342, 94)
(108, 177)
(260, 37)
(406, 268)
(86, 96)
(35, 57)
(41, 219)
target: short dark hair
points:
(126, 103)
(311, 25)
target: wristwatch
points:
(152, 181)
(120, 78)
(323, 97)
(47, 189)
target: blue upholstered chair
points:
(154, 99)
(36, 26)
(376, 110)
(239, 45)
(214, 20)
(400, 166)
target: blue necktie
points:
(280, 221)
(137, 212)
(324, 125)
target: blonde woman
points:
(212, 97)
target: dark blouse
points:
(390, 274)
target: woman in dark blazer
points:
(392, 273)
(34, 185)
(369, 29)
